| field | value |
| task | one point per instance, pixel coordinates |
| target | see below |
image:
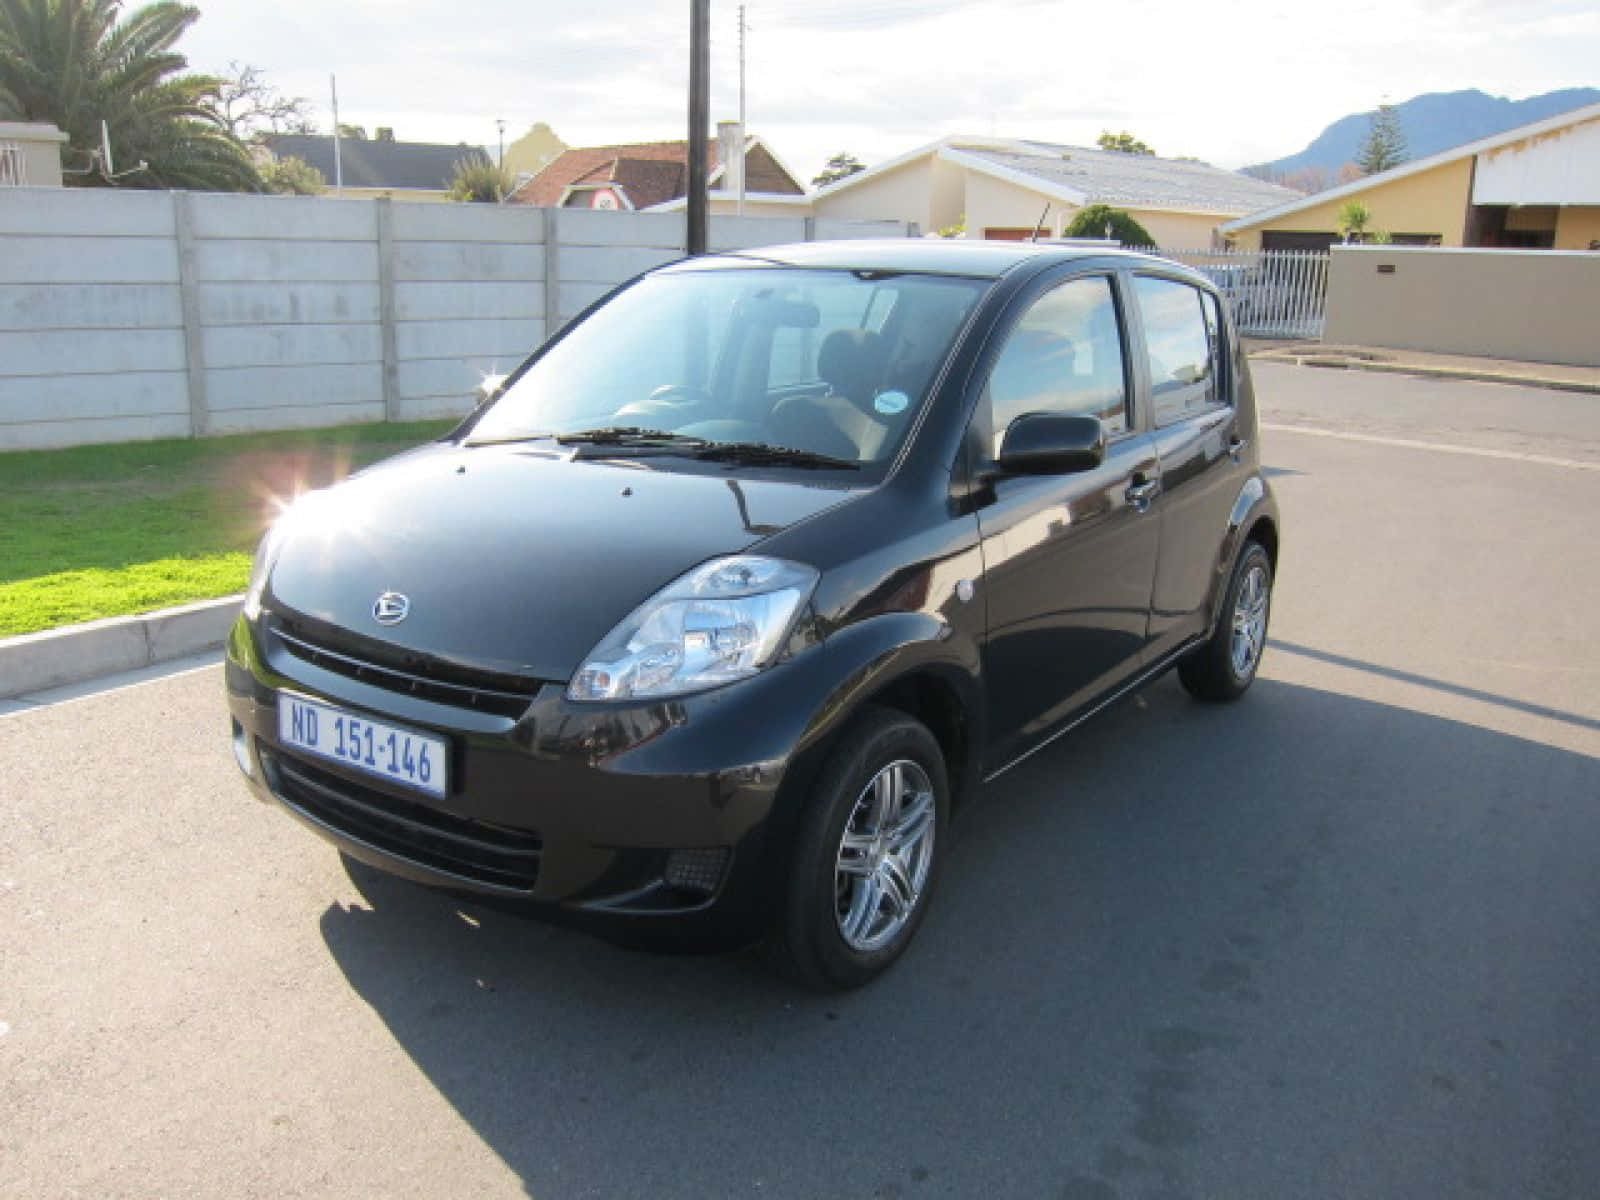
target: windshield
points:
(833, 363)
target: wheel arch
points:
(1264, 529)
(911, 663)
(1254, 517)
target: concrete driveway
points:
(1341, 939)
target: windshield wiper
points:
(506, 439)
(631, 437)
(626, 435)
(758, 453)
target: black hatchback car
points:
(697, 630)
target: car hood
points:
(514, 560)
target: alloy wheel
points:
(884, 856)
(1250, 621)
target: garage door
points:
(1280, 239)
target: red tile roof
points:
(649, 172)
(594, 164)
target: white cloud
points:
(1250, 81)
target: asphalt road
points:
(1340, 939)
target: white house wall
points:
(903, 194)
(995, 204)
(949, 195)
(1178, 231)
(1560, 167)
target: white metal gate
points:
(1273, 293)
(13, 167)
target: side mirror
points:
(1051, 444)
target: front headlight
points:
(272, 541)
(724, 620)
(261, 568)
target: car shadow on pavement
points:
(1188, 951)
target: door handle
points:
(1141, 491)
(1236, 447)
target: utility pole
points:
(338, 162)
(744, 136)
(500, 124)
(699, 110)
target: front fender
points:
(881, 654)
(870, 655)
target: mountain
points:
(1433, 122)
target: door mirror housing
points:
(1051, 444)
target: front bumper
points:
(662, 823)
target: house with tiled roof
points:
(1006, 189)
(654, 177)
(380, 166)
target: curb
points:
(1340, 362)
(74, 653)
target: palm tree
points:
(72, 62)
(477, 180)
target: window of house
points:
(1181, 333)
(1063, 356)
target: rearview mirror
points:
(1051, 444)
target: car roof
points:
(935, 256)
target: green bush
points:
(1101, 220)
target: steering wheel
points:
(680, 395)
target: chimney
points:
(730, 153)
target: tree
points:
(1122, 143)
(1385, 145)
(1354, 217)
(1306, 179)
(249, 106)
(840, 166)
(291, 176)
(1103, 221)
(479, 181)
(354, 133)
(73, 63)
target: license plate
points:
(390, 752)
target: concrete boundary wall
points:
(129, 315)
(1528, 305)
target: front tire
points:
(1225, 666)
(868, 853)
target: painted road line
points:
(1543, 460)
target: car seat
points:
(843, 422)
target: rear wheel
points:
(868, 853)
(1225, 666)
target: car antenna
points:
(1040, 225)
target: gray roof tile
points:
(1137, 180)
(373, 163)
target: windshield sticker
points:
(890, 403)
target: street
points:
(1341, 939)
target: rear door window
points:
(1182, 334)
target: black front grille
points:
(475, 850)
(401, 671)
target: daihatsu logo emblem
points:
(390, 608)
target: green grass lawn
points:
(104, 531)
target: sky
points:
(1232, 83)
